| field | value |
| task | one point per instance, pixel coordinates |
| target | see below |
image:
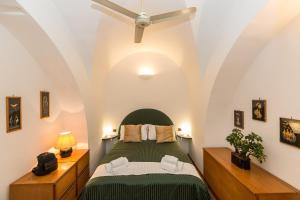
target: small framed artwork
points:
(290, 131)
(44, 104)
(13, 114)
(259, 110)
(239, 119)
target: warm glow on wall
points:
(146, 72)
(108, 131)
(186, 129)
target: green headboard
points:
(147, 116)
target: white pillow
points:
(151, 132)
(122, 132)
(144, 132)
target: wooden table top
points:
(256, 179)
(53, 177)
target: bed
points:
(146, 181)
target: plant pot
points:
(240, 161)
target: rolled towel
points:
(118, 169)
(116, 165)
(108, 167)
(179, 165)
(171, 159)
(119, 162)
(168, 166)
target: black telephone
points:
(47, 162)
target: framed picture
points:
(13, 114)
(239, 119)
(259, 108)
(44, 104)
(290, 131)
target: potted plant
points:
(244, 147)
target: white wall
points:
(274, 76)
(125, 91)
(22, 76)
(221, 24)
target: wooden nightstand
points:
(65, 183)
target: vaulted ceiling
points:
(86, 41)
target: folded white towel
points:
(116, 165)
(118, 169)
(108, 167)
(168, 166)
(171, 166)
(179, 165)
(119, 162)
(171, 159)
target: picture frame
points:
(13, 114)
(290, 131)
(239, 119)
(44, 104)
(259, 110)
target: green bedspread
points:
(149, 186)
(145, 151)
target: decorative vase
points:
(240, 161)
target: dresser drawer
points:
(31, 192)
(70, 194)
(65, 182)
(82, 164)
(82, 180)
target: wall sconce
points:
(146, 73)
(109, 132)
(185, 131)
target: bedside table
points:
(65, 183)
(185, 142)
(81, 159)
(109, 141)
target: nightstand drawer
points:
(82, 164)
(65, 182)
(70, 194)
(82, 180)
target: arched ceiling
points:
(41, 48)
(96, 25)
(271, 20)
(92, 39)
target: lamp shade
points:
(65, 140)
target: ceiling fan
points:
(11, 10)
(142, 20)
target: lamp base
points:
(66, 153)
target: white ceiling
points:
(95, 24)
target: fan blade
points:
(139, 31)
(11, 10)
(116, 8)
(166, 16)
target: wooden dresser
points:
(65, 183)
(228, 182)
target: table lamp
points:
(65, 143)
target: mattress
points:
(152, 186)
